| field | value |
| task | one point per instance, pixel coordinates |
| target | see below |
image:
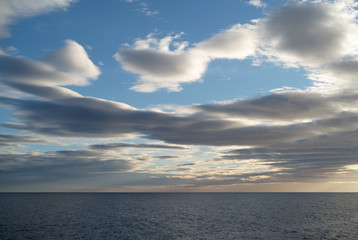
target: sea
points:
(178, 216)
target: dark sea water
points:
(179, 216)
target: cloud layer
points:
(288, 135)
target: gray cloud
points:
(311, 32)
(284, 106)
(186, 164)
(339, 76)
(11, 140)
(309, 151)
(345, 69)
(167, 157)
(312, 159)
(90, 117)
(85, 117)
(21, 70)
(97, 118)
(44, 91)
(132, 145)
(57, 166)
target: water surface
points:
(179, 216)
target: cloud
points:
(12, 50)
(11, 140)
(133, 145)
(315, 150)
(316, 159)
(238, 42)
(12, 10)
(25, 168)
(346, 70)
(91, 117)
(301, 135)
(50, 92)
(18, 69)
(281, 106)
(337, 77)
(310, 32)
(69, 65)
(159, 66)
(74, 165)
(142, 7)
(73, 59)
(320, 36)
(256, 3)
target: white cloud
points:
(89, 47)
(15, 9)
(149, 12)
(73, 59)
(256, 3)
(142, 6)
(12, 50)
(336, 77)
(238, 42)
(161, 67)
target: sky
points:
(178, 96)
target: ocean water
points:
(179, 216)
